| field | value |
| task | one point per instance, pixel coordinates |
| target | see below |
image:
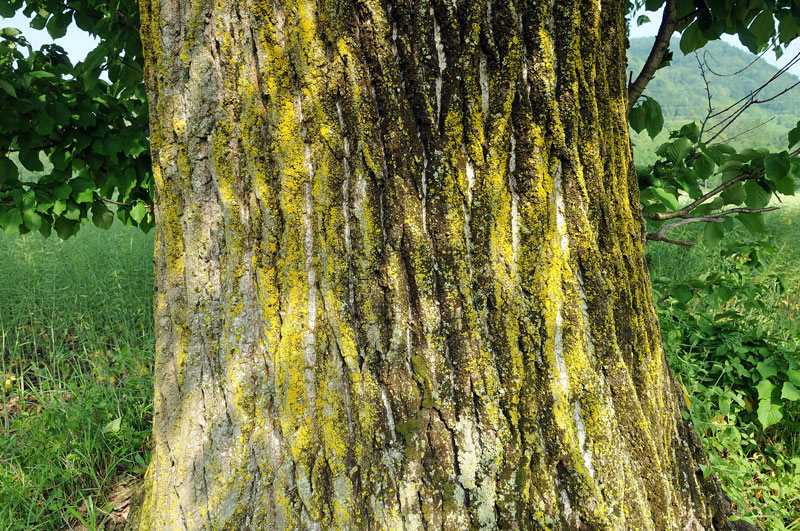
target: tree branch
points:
(716, 217)
(115, 202)
(653, 238)
(682, 212)
(685, 211)
(669, 22)
(690, 17)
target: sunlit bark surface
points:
(399, 273)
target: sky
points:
(651, 28)
(78, 43)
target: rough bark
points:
(399, 273)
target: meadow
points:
(730, 319)
(76, 335)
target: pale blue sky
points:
(78, 43)
(651, 28)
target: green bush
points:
(740, 370)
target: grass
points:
(732, 333)
(75, 394)
(76, 336)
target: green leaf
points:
(60, 112)
(790, 392)
(786, 185)
(794, 376)
(766, 370)
(101, 215)
(719, 153)
(690, 131)
(65, 227)
(703, 167)
(30, 159)
(754, 222)
(637, 118)
(62, 191)
(138, 212)
(668, 199)
(44, 201)
(692, 39)
(777, 165)
(73, 211)
(8, 88)
(11, 221)
(747, 38)
(769, 414)
(787, 28)
(8, 170)
(44, 124)
(39, 22)
(676, 150)
(713, 232)
(655, 118)
(735, 195)
(763, 27)
(28, 199)
(59, 206)
(794, 135)
(46, 227)
(82, 190)
(682, 293)
(756, 197)
(43, 74)
(58, 24)
(32, 219)
(113, 426)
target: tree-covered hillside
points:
(681, 92)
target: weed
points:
(76, 338)
(727, 318)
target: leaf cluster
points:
(81, 129)
(693, 182)
(740, 373)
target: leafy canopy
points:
(697, 177)
(83, 128)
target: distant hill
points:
(680, 89)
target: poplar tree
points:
(400, 279)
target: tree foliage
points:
(744, 181)
(87, 120)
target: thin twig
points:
(653, 237)
(708, 96)
(751, 63)
(115, 202)
(725, 141)
(716, 217)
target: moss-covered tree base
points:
(400, 280)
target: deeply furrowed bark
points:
(399, 273)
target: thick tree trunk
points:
(400, 280)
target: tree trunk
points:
(399, 273)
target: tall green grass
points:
(76, 338)
(730, 318)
